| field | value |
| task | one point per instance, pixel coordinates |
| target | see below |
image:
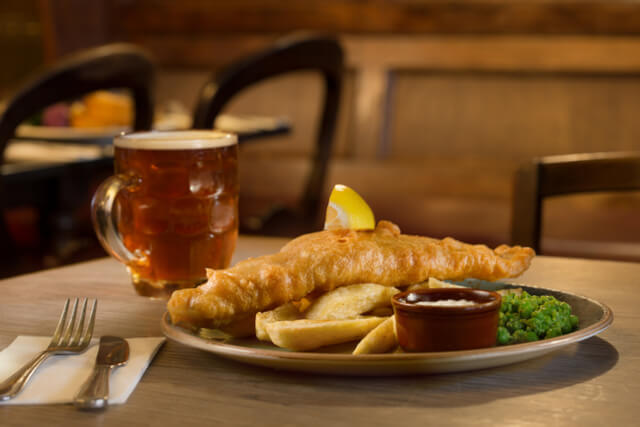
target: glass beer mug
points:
(171, 209)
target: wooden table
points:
(595, 382)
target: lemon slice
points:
(346, 209)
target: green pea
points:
(526, 318)
(504, 337)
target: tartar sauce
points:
(415, 299)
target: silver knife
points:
(94, 393)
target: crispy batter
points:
(332, 258)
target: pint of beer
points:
(171, 209)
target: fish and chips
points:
(319, 262)
(335, 286)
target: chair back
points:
(563, 175)
(107, 67)
(296, 53)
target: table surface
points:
(594, 382)
(51, 155)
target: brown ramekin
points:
(447, 328)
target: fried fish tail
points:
(251, 286)
(325, 260)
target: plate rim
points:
(28, 131)
(179, 334)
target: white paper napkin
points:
(59, 378)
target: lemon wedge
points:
(347, 209)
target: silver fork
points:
(68, 338)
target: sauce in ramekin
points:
(446, 319)
(414, 298)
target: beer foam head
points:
(175, 140)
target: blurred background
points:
(441, 102)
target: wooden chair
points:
(297, 53)
(562, 175)
(116, 66)
(108, 67)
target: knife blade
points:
(94, 393)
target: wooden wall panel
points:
(21, 49)
(204, 51)
(77, 24)
(512, 117)
(181, 85)
(522, 53)
(379, 16)
(418, 52)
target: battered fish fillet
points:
(327, 259)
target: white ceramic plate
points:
(106, 133)
(53, 133)
(229, 123)
(594, 317)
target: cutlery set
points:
(73, 337)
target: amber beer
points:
(176, 209)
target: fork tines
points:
(70, 334)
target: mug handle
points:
(104, 219)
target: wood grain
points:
(369, 112)
(586, 384)
(444, 52)
(524, 53)
(74, 25)
(512, 116)
(379, 16)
